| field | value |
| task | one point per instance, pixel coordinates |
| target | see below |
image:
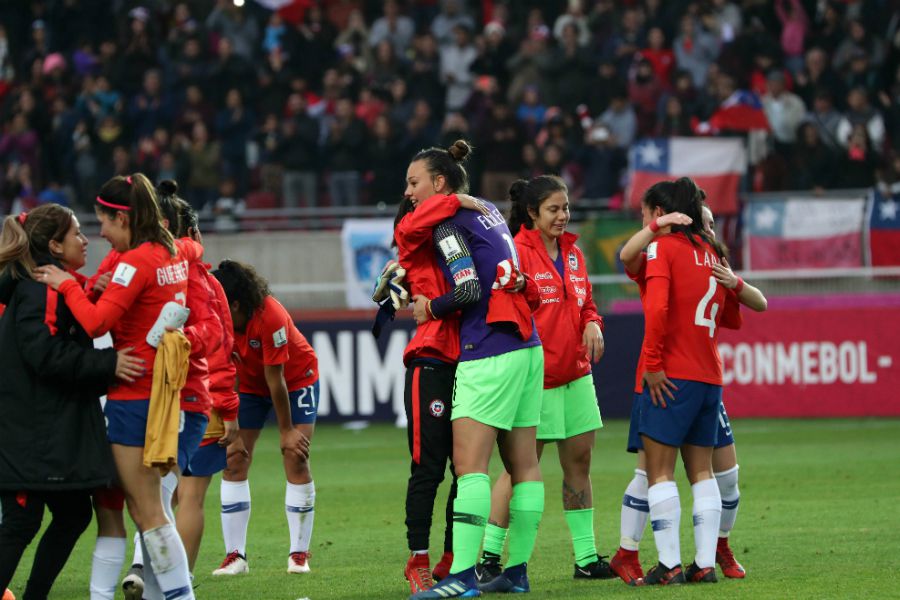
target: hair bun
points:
(459, 150)
(167, 187)
(517, 190)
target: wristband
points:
(654, 225)
(739, 286)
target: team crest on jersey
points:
(255, 344)
(124, 274)
(437, 408)
(279, 338)
(651, 251)
(573, 261)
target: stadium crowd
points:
(319, 102)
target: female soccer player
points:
(634, 504)
(54, 450)
(278, 369)
(150, 273)
(430, 358)
(571, 333)
(684, 306)
(498, 380)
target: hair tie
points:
(111, 205)
(128, 180)
(21, 218)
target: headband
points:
(111, 205)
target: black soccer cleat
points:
(488, 569)
(663, 575)
(599, 569)
(695, 574)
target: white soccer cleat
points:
(133, 583)
(234, 564)
(298, 562)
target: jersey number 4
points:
(700, 314)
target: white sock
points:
(731, 496)
(169, 560)
(707, 512)
(138, 558)
(665, 515)
(152, 590)
(109, 556)
(168, 486)
(635, 511)
(299, 506)
(235, 515)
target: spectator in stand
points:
(452, 14)
(232, 23)
(266, 139)
(602, 161)
(785, 112)
(794, 31)
(401, 103)
(385, 67)
(455, 127)
(531, 111)
(204, 156)
(660, 57)
(385, 161)
(356, 35)
(231, 70)
(695, 50)
(602, 86)
(298, 151)
(826, 120)
(861, 113)
(812, 165)
(621, 120)
(860, 73)
(194, 109)
(312, 45)
(456, 61)
(398, 29)
(644, 91)
(500, 141)
(190, 66)
(528, 66)
(728, 20)
(421, 130)
(858, 39)
(571, 65)
(856, 166)
(151, 107)
(227, 208)
(818, 75)
(346, 146)
(673, 121)
(574, 16)
(494, 52)
(138, 51)
(627, 41)
(234, 125)
(425, 73)
(889, 100)
(531, 162)
(828, 31)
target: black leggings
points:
(21, 520)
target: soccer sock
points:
(151, 585)
(707, 512)
(635, 511)
(108, 558)
(731, 497)
(494, 539)
(525, 510)
(235, 515)
(665, 515)
(470, 512)
(138, 558)
(169, 560)
(168, 485)
(581, 526)
(299, 506)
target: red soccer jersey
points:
(222, 371)
(683, 308)
(145, 279)
(271, 338)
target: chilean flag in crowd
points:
(715, 164)
(803, 233)
(741, 111)
(884, 228)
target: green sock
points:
(470, 512)
(494, 538)
(581, 526)
(525, 509)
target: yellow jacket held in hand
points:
(163, 418)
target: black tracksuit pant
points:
(428, 395)
(21, 520)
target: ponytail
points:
(172, 207)
(683, 195)
(135, 196)
(27, 236)
(526, 197)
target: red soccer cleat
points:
(695, 574)
(626, 565)
(418, 573)
(442, 569)
(662, 575)
(731, 568)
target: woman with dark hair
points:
(278, 369)
(571, 333)
(635, 510)
(151, 273)
(679, 376)
(54, 450)
(430, 357)
(496, 398)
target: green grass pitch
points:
(818, 519)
